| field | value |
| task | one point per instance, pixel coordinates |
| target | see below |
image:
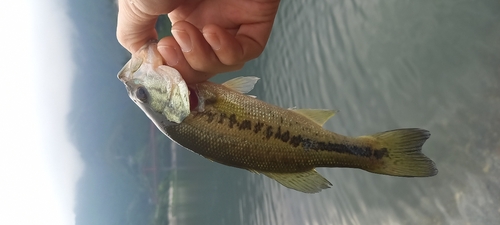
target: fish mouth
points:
(123, 75)
(147, 54)
(150, 54)
(145, 71)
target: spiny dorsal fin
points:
(307, 182)
(241, 84)
(320, 116)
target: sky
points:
(39, 167)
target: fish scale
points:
(221, 123)
(225, 139)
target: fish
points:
(223, 124)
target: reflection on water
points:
(384, 65)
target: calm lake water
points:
(384, 65)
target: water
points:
(384, 65)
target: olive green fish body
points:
(223, 124)
(244, 132)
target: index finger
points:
(137, 19)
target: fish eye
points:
(142, 94)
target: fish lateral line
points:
(307, 144)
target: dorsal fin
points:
(320, 116)
(241, 84)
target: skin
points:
(209, 36)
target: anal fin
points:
(307, 182)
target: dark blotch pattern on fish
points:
(232, 120)
(363, 151)
(221, 118)
(277, 135)
(269, 132)
(378, 154)
(296, 140)
(245, 125)
(210, 116)
(210, 101)
(285, 136)
(258, 127)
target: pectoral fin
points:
(320, 116)
(241, 84)
(307, 182)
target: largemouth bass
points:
(221, 123)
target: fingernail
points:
(213, 40)
(169, 54)
(183, 39)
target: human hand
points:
(209, 36)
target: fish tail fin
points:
(403, 157)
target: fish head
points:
(157, 89)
